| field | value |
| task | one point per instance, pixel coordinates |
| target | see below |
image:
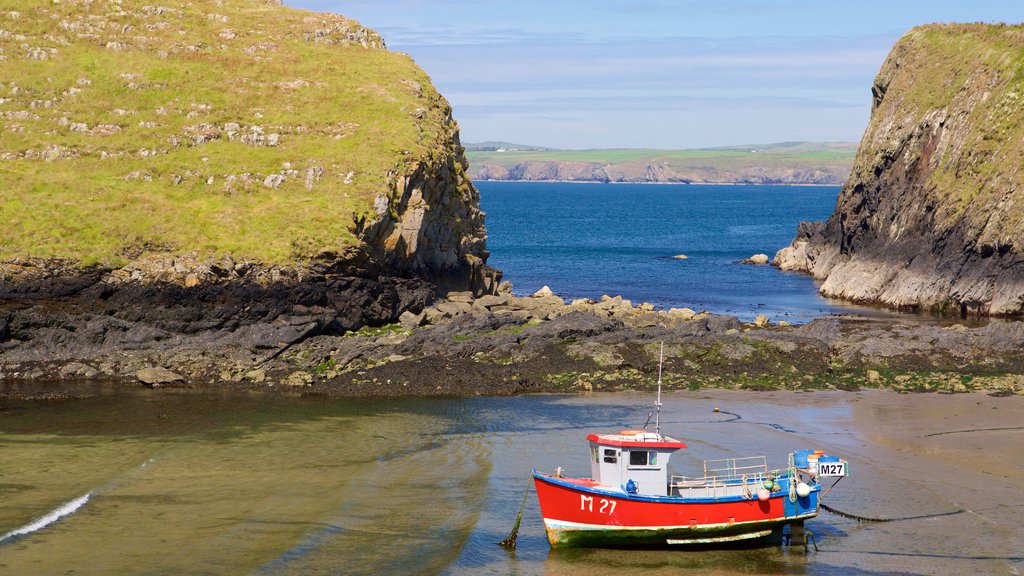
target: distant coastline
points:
(787, 164)
(838, 185)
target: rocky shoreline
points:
(323, 333)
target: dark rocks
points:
(316, 332)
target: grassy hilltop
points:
(228, 126)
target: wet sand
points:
(946, 453)
(186, 482)
(924, 457)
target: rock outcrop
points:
(932, 215)
(215, 181)
(283, 138)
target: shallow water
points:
(202, 483)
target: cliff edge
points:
(931, 216)
(188, 143)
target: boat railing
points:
(722, 478)
(729, 468)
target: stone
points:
(78, 370)
(545, 291)
(191, 281)
(157, 377)
(299, 378)
(903, 378)
(454, 308)
(731, 331)
(459, 297)
(434, 316)
(874, 376)
(684, 313)
(273, 181)
(756, 259)
(783, 323)
(491, 300)
(257, 376)
(409, 320)
(761, 321)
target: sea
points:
(588, 240)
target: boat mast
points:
(657, 403)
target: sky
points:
(656, 73)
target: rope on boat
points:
(792, 483)
(832, 510)
(510, 540)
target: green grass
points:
(713, 165)
(974, 72)
(724, 157)
(353, 110)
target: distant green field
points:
(795, 154)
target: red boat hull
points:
(579, 513)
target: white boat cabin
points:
(632, 455)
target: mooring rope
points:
(858, 518)
(808, 535)
(510, 540)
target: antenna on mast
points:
(657, 403)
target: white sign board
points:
(828, 469)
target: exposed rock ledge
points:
(296, 342)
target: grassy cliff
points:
(220, 126)
(932, 215)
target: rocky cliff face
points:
(932, 215)
(428, 222)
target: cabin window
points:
(643, 458)
(609, 456)
(638, 458)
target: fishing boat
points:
(630, 499)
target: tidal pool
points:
(178, 482)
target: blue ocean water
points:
(585, 240)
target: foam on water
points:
(56, 514)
